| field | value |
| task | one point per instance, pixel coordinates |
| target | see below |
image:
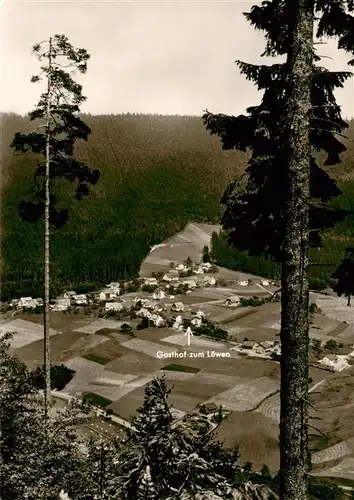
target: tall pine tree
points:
(54, 139)
(269, 213)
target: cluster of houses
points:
(26, 303)
(197, 320)
(266, 349)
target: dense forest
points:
(157, 173)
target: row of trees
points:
(279, 208)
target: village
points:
(116, 339)
(159, 301)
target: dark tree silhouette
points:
(344, 275)
(285, 194)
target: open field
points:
(25, 332)
(256, 437)
(100, 324)
(120, 366)
(246, 395)
(345, 469)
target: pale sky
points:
(148, 57)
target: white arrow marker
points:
(189, 334)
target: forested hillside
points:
(157, 172)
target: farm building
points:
(61, 305)
(242, 283)
(69, 294)
(113, 306)
(79, 300)
(27, 303)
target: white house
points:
(113, 306)
(242, 282)
(198, 270)
(167, 278)
(27, 302)
(69, 294)
(151, 281)
(197, 322)
(265, 283)
(190, 283)
(200, 314)
(233, 301)
(337, 362)
(79, 300)
(158, 294)
(178, 324)
(158, 320)
(177, 307)
(206, 266)
(144, 313)
(181, 267)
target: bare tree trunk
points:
(47, 389)
(348, 303)
(294, 461)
